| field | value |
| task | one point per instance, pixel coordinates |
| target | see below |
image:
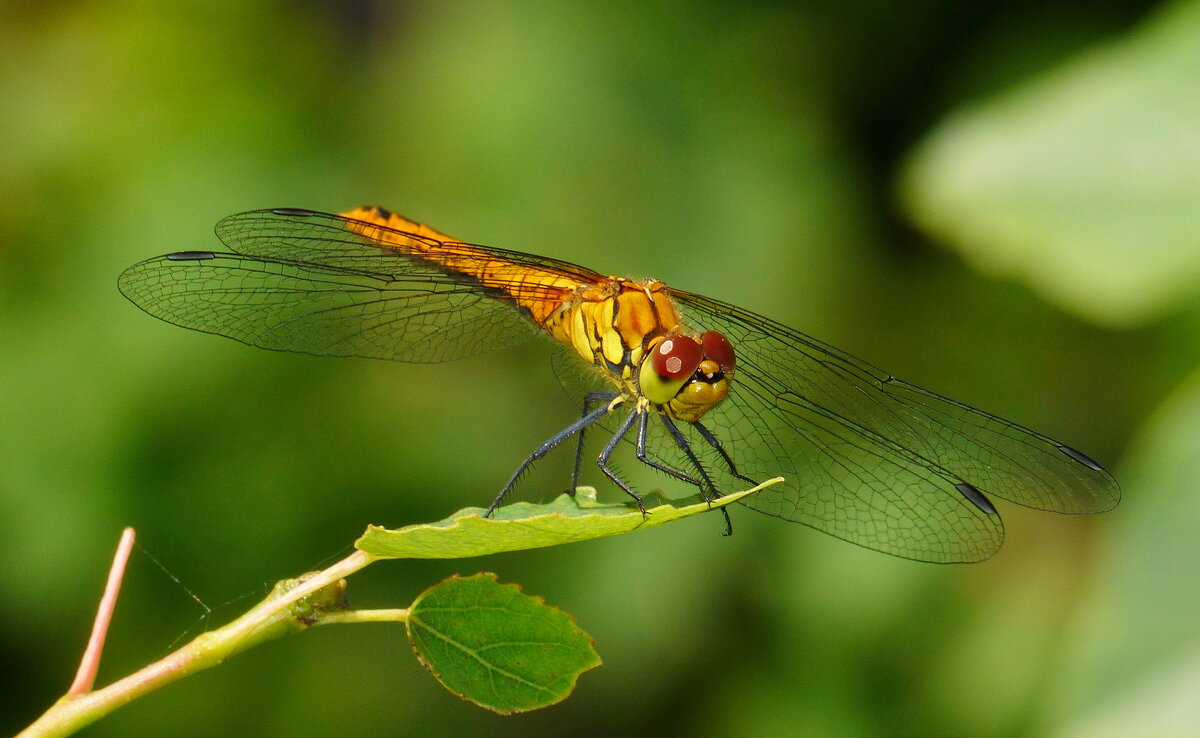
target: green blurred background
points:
(997, 200)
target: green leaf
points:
(1084, 183)
(524, 525)
(496, 646)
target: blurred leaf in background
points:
(748, 151)
(1083, 182)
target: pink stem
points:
(85, 678)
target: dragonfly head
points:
(688, 375)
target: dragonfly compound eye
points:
(671, 363)
(718, 348)
(676, 358)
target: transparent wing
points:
(306, 282)
(872, 459)
(833, 481)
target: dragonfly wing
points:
(377, 241)
(875, 460)
(577, 378)
(311, 285)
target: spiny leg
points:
(602, 460)
(641, 454)
(591, 397)
(545, 448)
(712, 441)
(686, 447)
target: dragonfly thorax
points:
(621, 326)
(611, 324)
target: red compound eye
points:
(676, 358)
(718, 348)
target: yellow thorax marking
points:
(618, 316)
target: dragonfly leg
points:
(545, 448)
(592, 397)
(712, 440)
(641, 454)
(602, 460)
(708, 485)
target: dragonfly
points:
(708, 393)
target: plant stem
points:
(394, 615)
(85, 678)
(271, 618)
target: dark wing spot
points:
(191, 256)
(298, 212)
(1081, 457)
(976, 497)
